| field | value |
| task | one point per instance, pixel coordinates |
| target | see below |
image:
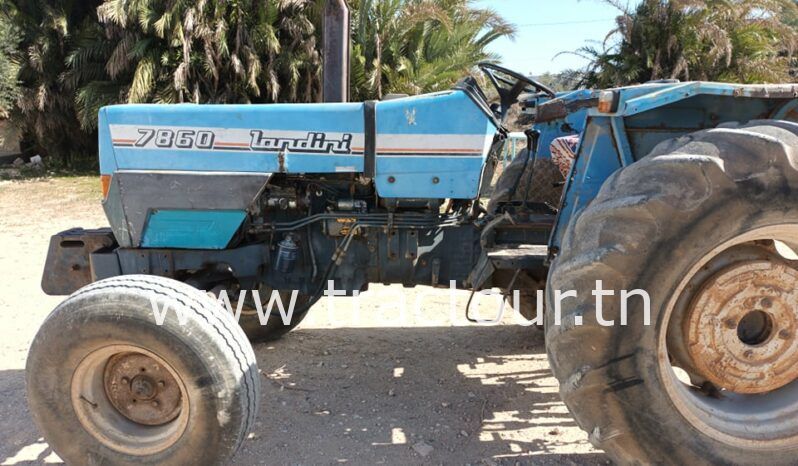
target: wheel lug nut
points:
(748, 353)
(785, 334)
(161, 383)
(730, 323)
(125, 380)
(155, 403)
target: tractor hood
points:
(443, 136)
(185, 175)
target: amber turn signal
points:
(105, 182)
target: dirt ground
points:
(380, 388)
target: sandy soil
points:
(380, 388)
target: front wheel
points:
(108, 382)
(707, 227)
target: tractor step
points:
(520, 257)
(525, 256)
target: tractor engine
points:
(337, 228)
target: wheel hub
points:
(740, 328)
(141, 389)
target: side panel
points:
(297, 138)
(596, 159)
(191, 229)
(431, 146)
(199, 210)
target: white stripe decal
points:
(297, 142)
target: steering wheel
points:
(510, 84)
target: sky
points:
(548, 27)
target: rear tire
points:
(673, 224)
(107, 385)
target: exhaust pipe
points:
(335, 53)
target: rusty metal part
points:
(740, 330)
(71, 259)
(141, 389)
(557, 108)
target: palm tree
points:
(209, 51)
(77, 56)
(45, 108)
(720, 40)
(268, 51)
(9, 86)
(415, 46)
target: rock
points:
(392, 392)
(464, 433)
(18, 162)
(423, 449)
(35, 163)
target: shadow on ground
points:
(439, 395)
(473, 394)
(20, 442)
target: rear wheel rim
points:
(730, 329)
(130, 399)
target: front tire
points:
(107, 384)
(704, 225)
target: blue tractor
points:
(667, 257)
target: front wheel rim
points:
(728, 405)
(130, 410)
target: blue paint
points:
(191, 229)
(445, 115)
(572, 124)
(429, 177)
(596, 160)
(107, 160)
(314, 163)
(648, 115)
(195, 160)
(442, 116)
(450, 112)
(785, 110)
(298, 117)
(234, 161)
